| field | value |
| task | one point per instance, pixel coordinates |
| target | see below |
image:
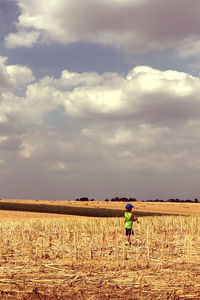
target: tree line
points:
(125, 199)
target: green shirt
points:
(128, 221)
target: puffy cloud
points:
(20, 75)
(13, 76)
(10, 106)
(145, 93)
(21, 39)
(131, 24)
(144, 96)
(5, 80)
(146, 120)
(72, 79)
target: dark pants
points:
(129, 231)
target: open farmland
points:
(85, 258)
(153, 207)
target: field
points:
(156, 207)
(49, 256)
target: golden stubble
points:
(87, 257)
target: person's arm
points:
(134, 218)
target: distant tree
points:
(122, 199)
(84, 199)
(177, 200)
(171, 200)
(132, 199)
(188, 201)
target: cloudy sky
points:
(99, 98)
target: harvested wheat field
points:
(20, 215)
(85, 258)
(154, 207)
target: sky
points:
(99, 99)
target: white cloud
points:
(145, 93)
(84, 124)
(13, 76)
(90, 101)
(41, 99)
(5, 80)
(10, 106)
(20, 75)
(136, 26)
(21, 39)
(145, 96)
(71, 79)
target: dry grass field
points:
(156, 207)
(45, 256)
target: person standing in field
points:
(129, 219)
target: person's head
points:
(129, 207)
